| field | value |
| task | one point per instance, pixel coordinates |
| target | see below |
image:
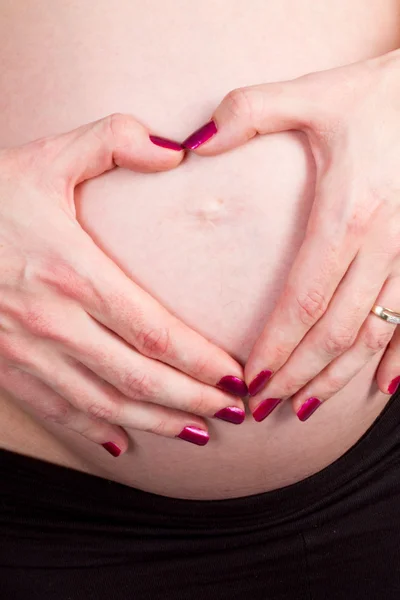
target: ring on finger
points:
(386, 314)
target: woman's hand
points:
(79, 340)
(321, 332)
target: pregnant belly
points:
(213, 240)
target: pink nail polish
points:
(258, 382)
(200, 136)
(232, 414)
(308, 408)
(194, 435)
(394, 385)
(165, 143)
(112, 449)
(265, 408)
(233, 385)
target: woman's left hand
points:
(321, 332)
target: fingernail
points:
(258, 382)
(165, 143)
(394, 385)
(200, 136)
(265, 408)
(194, 435)
(308, 408)
(112, 449)
(232, 414)
(233, 385)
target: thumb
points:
(246, 112)
(115, 141)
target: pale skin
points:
(316, 349)
(214, 239)
(70, 319)
(321, 332)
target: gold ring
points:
(386, 314)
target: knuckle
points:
(160, 428)
(87, 430)
(281, 353)
(137, 386)
(40, 324)
(311, 305)
(291, 385)
(239, 103)
(200, 367)
(338, 341)
(100, 410)
(199, 404)
(154, 343)
(117, 124)
(56, 413)
(64, 279)
(356, 223)
(333, 382)
(375, 340)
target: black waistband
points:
(49, 487)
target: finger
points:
(337, 330)
(374, 336)
(95, 281)
(316, 273)
(259, 109)
(141, 378)
(111, 298)
(52, 407)
(115, 141)
(99, 400)
(388, 372)
(333, 238)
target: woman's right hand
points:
(79, 341)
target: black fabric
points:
(66, 535)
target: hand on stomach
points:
(213, 241)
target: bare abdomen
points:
(213, 240)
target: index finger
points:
(246, 112)
(117, 140)
(114, 300)
(320, 265)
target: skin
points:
(212, 241)
(321, 332)
(64, 368)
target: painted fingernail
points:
(232, 414)
(233, 385)
(194, 435)
(112, 449)
(308, 408)
(258, 382)
(265, 408)
(165, 143)
(394, 385)
(200, 136)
